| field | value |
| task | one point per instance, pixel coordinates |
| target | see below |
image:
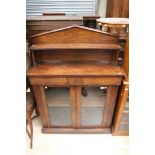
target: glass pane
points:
(92, 106)
(59, 106)
(124, 127)
(125, 117)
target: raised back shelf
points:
(75, 43)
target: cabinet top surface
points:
(74, 69)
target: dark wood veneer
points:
(75, 57)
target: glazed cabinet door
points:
(67, 107)
(59, 106)
(96, 109)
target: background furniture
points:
(70, 57)
(29, 110)
(121, 118)
(117, 8)
(117, 26)
(38, 24)
(31, 106)
(90, 21)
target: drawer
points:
(86, 81)
(48, 81)
(75, 81)
(98, 81)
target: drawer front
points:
(95, 81)
(86, 81)
(75, 81)
(48, 81)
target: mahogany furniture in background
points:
(126, 58)
(121, 117)
(90, 21)
(118, 26)
(31, 106)
(70, 57)
(117, 8)
(38, 24)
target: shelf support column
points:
(75, 95)
(39, 93)
(109, 106)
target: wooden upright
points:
(121, 118)
(75, 57)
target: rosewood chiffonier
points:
(69, 59)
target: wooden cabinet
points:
(38, 24)
(65, 61)
(118, 8)
(121, 118)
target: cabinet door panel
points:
(92, 106)
(59, 106)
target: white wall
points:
(102, 7)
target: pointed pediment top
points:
(72, 27)
(74, 34)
